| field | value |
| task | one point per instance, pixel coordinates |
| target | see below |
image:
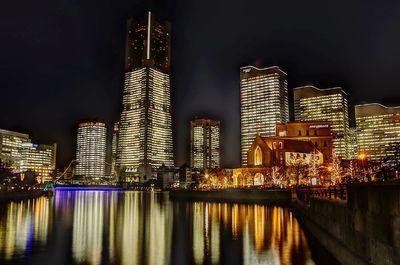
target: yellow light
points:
(362, 156)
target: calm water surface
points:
(114, 227)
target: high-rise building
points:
(91, 149)
(114, 146)
(204, 144)
(314, 104)
(145, 133)
(264, 102)
(378, 129)
(11, 147)
(40, 158)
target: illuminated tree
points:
(313, 167)
(336, 173)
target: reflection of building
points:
(264, 102)
(378, 128)
(204, 144)
(91, 149)
(314, 104)
(317, 132)
(353, 149)
(114, 145)
(10, 148)
(24, 224)
(145, 133)
(40, 158)
(265, 235)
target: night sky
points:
(62, 61)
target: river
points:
(128, 227)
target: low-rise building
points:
(268, 155)
(317, 132)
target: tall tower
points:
(204, 144)
(314, 104)
(145, 133)
(91, 149)
(114, 146)
(263, 103)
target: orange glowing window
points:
(258, 156)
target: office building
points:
(263, 103)
(317, 132)
(91, 149)
(145, 132)
(204, 144)
(314, 104)
(378, 130)
(11, 147)
(39, 158)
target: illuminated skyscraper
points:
(204, 144)
(11, 147)
(145, 133)
(114, 145)
(314, 104)
(378, 129)
(40, 158)
(264, 102)
(91, 149)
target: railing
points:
(332, 192)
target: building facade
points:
(40, 158)
(263, 103)
(204, 144)
(11, 148)
(314, 104)
(378, 130)
(114, 146)
(91, 149)
(145, 132)
(317, 132)
(268, 156)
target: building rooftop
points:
(12, 133)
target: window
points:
(325, 145)
(315, 132)
(299, 133)
(308, 133)
(258, 156)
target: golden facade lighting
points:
(314, 104)
(264, 102)
(378, 128)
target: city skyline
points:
(44, 119)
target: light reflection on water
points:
(113, 227)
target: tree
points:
(296, 169)
(336, 173)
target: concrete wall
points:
(235, 195)
(363, 230)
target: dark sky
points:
(62, 61)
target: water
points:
(116, 227)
